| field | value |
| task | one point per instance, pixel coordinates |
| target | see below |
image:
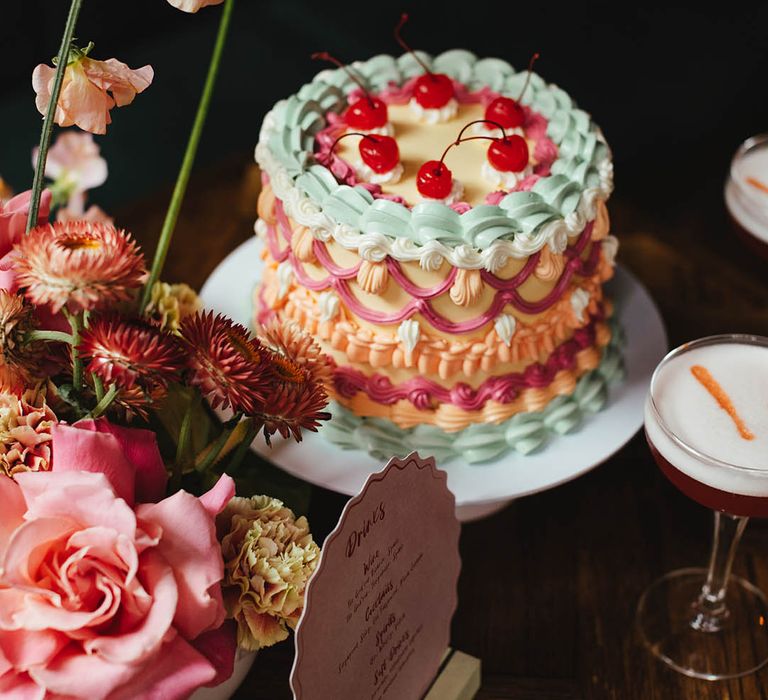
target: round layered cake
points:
(439, 225)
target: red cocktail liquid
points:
(724, 501)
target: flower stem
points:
(244, 446)
(207, 458)
(76, 323)
(105, 402)
(45, 135)
(98, 386)
(166, 234)
(51, 336)
(185, 436)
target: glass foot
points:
(670, 626)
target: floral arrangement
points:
(128, 567)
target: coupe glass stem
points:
(710, 611)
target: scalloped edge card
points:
(377, 615)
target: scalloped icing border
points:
(554, 209)
(433, 354)
(524, 433)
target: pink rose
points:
(101, 598)
(13, 223)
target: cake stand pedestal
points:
(480, 489)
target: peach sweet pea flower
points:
(193, 5)
(75, 165)
(101, 597)
(90, 89)
(74, 212)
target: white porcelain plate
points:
(480, 489)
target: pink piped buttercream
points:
(425, 393)
(506, 290)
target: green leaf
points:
(257, 476)
(171, 413)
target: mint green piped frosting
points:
(583, 164)
(523, 433)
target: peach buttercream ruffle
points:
(451, 418)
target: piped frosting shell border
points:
(486, 236)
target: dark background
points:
(675, 89)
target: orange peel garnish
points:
(706, 379)
(757, 184)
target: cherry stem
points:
(533, 60)
(401, 41)
(351, 133)
(459, 140)
(481, 121)
(325, 56)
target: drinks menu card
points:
(378, 610)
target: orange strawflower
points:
(78, 264)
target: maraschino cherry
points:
(367, 112)
(431, 90)
(506, 111)
(380, 153)
(509, 154)
(434, 180)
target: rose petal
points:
(13, 509)
(140, 448)
(144, 640)
(81, 496)
(13, 218)
(26, 648)
(216, 499)
(78, 448)
(172, 674)
(190, 546)
(219, 647)
(83, 675)
(28, 546)
(19, 686)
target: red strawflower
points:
(130, 353)
(137, 401)
(228, 366)
(79, 264)
(296, 401)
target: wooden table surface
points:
(549, 585)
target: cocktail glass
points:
(746, 193)
(707, 623)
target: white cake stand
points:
(480, 489)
